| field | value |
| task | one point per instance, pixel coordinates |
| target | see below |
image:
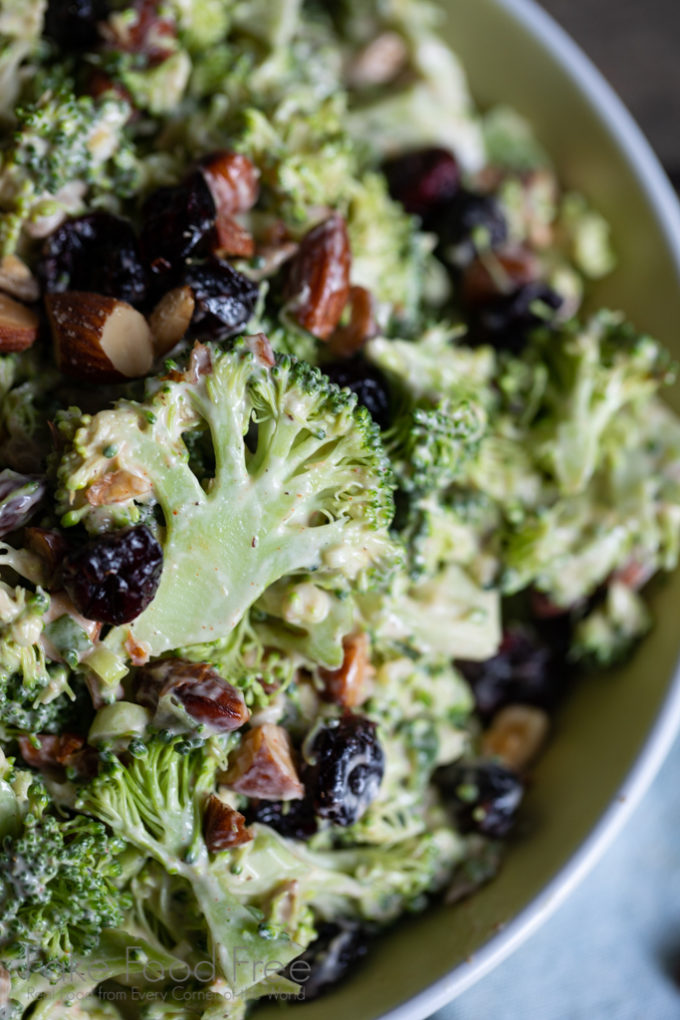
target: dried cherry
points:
(114, 577)
(423, 181)
(74, 24)
(224, 298)
(367, 381)
(484, 796)
(294, 819)
(347, 770)
(335, 951)
(175, 220)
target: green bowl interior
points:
(604, 726)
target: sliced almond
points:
(516, 735)
(263, 766)
(116, 487)
(378, 62)
(17, 280)
(348, 685)
(99, 338)
(232, 240)
(171, 318)
(18, 325)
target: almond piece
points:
(206, 696)
(516, 735)
(18, 325)
(263, 766)
(317, 287)
(347, 686)
(116, 487)
(171, 318)
(362, 325)
(231, 239)
(98, 337)
(17, 280)
(232, 179)
(223, 827)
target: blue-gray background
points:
(612, 952)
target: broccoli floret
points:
(20, 28)
(155, 803)
(609, 632)
(594, 373)
(57, 889)
(301, 484)
(64, 146)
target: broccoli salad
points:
(319, 486)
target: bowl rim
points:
(654, 183)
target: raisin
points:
(484, 796)
(74, 24)
(335, 951)
(317, 287)
(224, 298)
(114, 577)
(525, 671)
(423, 181)
(507, 320)
(348, 768)
(367, 381)
(469, 224)
(97, 252)
(20, 497)
(174, 222)
(294, 819)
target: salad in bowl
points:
(322, 480)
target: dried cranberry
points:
(174, 222)
(329, 958)
(347, 771)
(469, 224)
(225, 299)
(484, 796)
(97, 252)
(525, 671)
(294, 819)
(507, 320)
(73, 24)
(114, 577)
(20, 497)
(423, 181)
(367, 381)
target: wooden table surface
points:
(636, 44)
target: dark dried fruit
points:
(423, 181)
(225, 299)
(525, 671)
(348, 768)
(232, 179)
(57, 752)
(507, 321)
(174, 222)
(469, 224)
(294, 819)
(223, 827)
(20, 497)
(337, 949)
(114, 577)
(197, 688)
(99, 253)
(484, 796)
(367, 381)
(317, 287)
(73, 24)
(144, 32)
(263, 765)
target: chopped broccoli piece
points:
(607, 634)
(310, 489)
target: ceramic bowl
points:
(616, 728)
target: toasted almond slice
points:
(348, 685)
(99, 338)
(170, 319)
(223, 827)
(516, 735)
(116, 487)
(17, 280)
(18, 325)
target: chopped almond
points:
(98, 337)
(171, 318)
(223, 827)
(347, 686)
(116, 487)
(232, 179)
(18, 325)
(516, 735)
(362, 326)
(17, 280)
(263, 766)
(232, 240)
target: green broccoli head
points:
(58, 889)
(300, 483)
